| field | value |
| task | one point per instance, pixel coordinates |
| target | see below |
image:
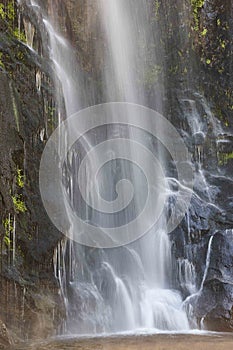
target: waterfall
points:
(127, 288)
(207, 263)
(193, 297)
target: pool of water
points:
(198, 341)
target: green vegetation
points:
(1, 62)
(196, 6)
(224, 158)
(156, 7)
(19, 35)
(19, 204)
(227, 156)
(8, 226)
(204, 32)
(51, 118)
(8, 13)
(20, 178)
(2, 12)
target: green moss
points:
(224, 158)
(19, 35)
(173, 69)
(20, 178)
(8, 226)
(196, 6)
(223, 44)
(156, 7)
(204, 32)
(2, 12)
(10, 9)
(8, 13)
(19, 204)
(1, 61)
(51, 118)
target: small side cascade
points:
(38, 80)
(187, 216)
(42, 134)
(60, 265)
(13, 241)
(189, 108)
(197, 128)
(186, 275)
(207, 263)
(188, 302)
(64, 271)
(123, 302)
(60, 274)
(202, 325)
(199, 140)
(9, 224)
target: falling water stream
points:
(127, 288)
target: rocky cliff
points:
(198, 69)
(29, 292)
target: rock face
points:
(30, 304)
(216, 300)
(27, 238)
(198, 73)
(5, 340)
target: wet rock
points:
(27, 253)
(21, 145)
(5, 340)
(199, 138)
(215, 303)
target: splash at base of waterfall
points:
(114, 293)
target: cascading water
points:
(126, 288)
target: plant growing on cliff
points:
(224, 158)
(156, 7)
(1, 62)
(8, 226)
(8, 13)
(2, 12)
(196, 6)
(20, 178)
(19, 204)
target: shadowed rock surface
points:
(198, 69)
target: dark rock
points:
(215, 303)
(5, 340)
(199, 138)
(27, 271)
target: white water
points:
(207, 263)
(186, 275)
(193, 297)
(127, 288)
